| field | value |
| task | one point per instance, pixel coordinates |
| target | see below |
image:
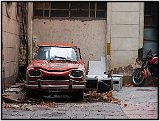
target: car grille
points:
(55, 78)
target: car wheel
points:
(32, 94)
(29, 93)
(79, 95)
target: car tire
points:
(79, 95)
(29, 93)
(32, 94)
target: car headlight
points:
(34, 73)
(76, 73)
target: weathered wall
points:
(123, 31)
(88, 35)
(10, 42)
(126, 34)
(29, 31)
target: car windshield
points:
(56, 53)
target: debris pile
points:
(128, 85)
(17, 94)
(29, 106)
(106, 96)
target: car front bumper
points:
(55, 84)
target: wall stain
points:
(126, 70)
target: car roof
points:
(56, 45)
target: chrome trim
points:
(79, 81)
(69, 86)
(28, 86)
(78, 86)
(56, 86)
(76, 77)
(34, 76)
(58, 81)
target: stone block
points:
(120, 58)
(125, 31)
(125, 17)
(125, 6)
(125, 44)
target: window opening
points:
(74, 9)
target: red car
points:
(56, 68)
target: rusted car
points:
(56, 68)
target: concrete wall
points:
(10, 42)
(125, 27)
(89, 36)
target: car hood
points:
(55, 65)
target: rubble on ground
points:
(16, 94)
(106, 96)
(128, 85)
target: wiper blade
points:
(63, 58)
(60, 57)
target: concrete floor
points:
(139, 102)
(135, 103)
